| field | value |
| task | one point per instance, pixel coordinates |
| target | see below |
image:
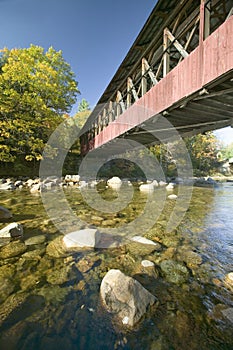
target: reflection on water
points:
(50, 299)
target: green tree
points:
(36, 89)
(227, 151)
(83, 106)
(203, 149)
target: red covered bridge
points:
(180, 66)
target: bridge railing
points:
(175, 42)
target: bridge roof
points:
(159, 18)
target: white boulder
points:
(125, 297)
(82, 238)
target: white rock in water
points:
(115, 182)
(172, 196)
(170, 186)
(147, 187)
(143, 240)
(162, 183)
(155, 183)
(83, 238)
(147, 263)
(5, 213)
(125, 297)
(12, 230)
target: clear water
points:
(53, 302)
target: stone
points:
(143, 240)
(35, 188)
(12, 249)
(7, 186)
(228, 313)
(147, 263)
(40, 239)
(5, 213)
(18, 183)
(174, 272)
(82, 238)
(229, 280)
(192, 259)
(115, 182)
(147, 187)
(172, 196)
(125, 297)
(170, 186)
(12, 230)
(142, 246)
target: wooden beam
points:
(176, 43)
(143, 80)
(120, 103)
(150, 72)
(207, 20)
(166, 54)
(129, 94)
(134, 92)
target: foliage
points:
(203, 150)
(227, 151)
(36, 88)
(83, 106)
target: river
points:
(50, 300)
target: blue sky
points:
(94, 36)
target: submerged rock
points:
(125, 297)
(12, 249)
(229, 280)
(142, 246)
(39, 239)
(174, 272)
(5, 213)
(12, 230)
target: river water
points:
(50, 300)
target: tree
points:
(36, 89)
(203, 149)
(83, 106)
(227, 151)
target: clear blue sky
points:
(94, 35)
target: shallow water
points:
(51, 301)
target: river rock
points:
(147, 187)
(142, 246)
(172, 196)
(40, 239)
(147, 263)
(5, 213)
(82, 238)
(6, 288)
(12, 230)
(174, 272)
(192, 259)
(115, 182)
(12, 249)
(7, 186)
(125, 297)
(229, 280)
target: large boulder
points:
(5, 213)
(125, 297)
(12, 230)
